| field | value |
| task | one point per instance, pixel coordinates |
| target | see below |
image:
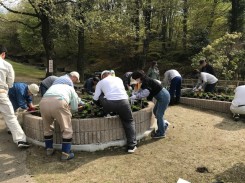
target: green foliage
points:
(209, 96)
(225, 54)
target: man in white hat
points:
(6, 108)
(69, 79)
(21, 94)
(111, 94)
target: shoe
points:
(110, 116)
(67, 156)
(9, 132)
(166, 125)
(157, 136)
(132, 149)
(23, 144)
(50, 151)
(236, 117)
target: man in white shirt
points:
(205, 82)
(238, 103)
(6, 108)
(111, 94)
(173, 78)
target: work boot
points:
(49, 145)
(66, 150)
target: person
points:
(173, 78)
(46, 83)
(69, 79)
(112, 73)
(90, 84)
(7, 77)
(205, 67)
(238, 103)
(205, 82)
(127, 81)
(115, 99)
(21, 94)
(150, 89)
(56, 104)
(153, 71)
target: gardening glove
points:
(30, 109)
(133, 97)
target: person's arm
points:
(142, 94)
(10, 77)
(21, 100)
(89, 87)
(75, 100)
(97, 92)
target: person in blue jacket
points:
(20, 95)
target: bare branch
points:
(35, 9)
(65, 1)
(18, 12)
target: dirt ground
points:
(196, 140)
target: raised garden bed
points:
(214, 105)
(91, 134)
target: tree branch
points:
(20, 22)
(35, 9)
(17, 12)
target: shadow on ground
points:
(235, 174)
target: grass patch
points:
(27, 71)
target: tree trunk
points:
(48, 43)
(212, 16)
(147, 24)
(234, 15)
(81, 49)
(185, 16)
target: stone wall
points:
(214, 105)
(93, 133)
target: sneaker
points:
(67, 156)
(166, 125)
(132, 149)
(110, 116)
(50, 151)
(23, 144)
(236, 117)
(157, 136)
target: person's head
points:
(96, 80)
(3, 51)
(202, 62)
(196, 73)
(74, 77)
(138, 76)
(33, 89)
(154, 64)
(105, 73)
(112, 73)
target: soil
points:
(200, 147)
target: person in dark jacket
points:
(151, 88)
(46, 84)
(90, 84)
(126, 80)
(205, 67)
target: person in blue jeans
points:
(151, 88)
(173, 78)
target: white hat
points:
(105, 71)
(34, 89)
(76, 74)
(132, 81)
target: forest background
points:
(125, 35)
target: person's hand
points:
(30, 109)
(130, 88)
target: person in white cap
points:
(69, 79)
(111, 94)
(21, 94)
(6, 81)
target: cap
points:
(76, 74)
(132, 81)
(112, 72)
(34, 89)
(105, 71)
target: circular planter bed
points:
(214, 105)
(91, 134)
